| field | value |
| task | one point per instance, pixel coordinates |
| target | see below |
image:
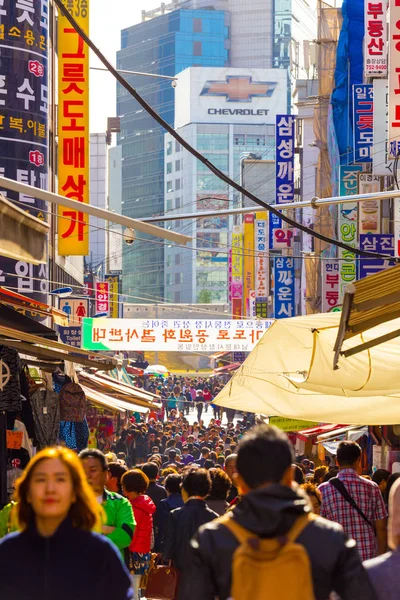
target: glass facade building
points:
(164, 45)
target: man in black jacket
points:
(183, 523)
(269, 507)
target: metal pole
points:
(136, 73)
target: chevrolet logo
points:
(239, 89)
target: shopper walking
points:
(57, 554)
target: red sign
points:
(282, 238)
(102, 297)
(375, 60)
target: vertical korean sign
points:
(24, 123)
(248, 263)
(347, 225)
(369, 213)
(284, 293)
(102, 297)
(113, 283)
(363, 116)
(237, 271)
(375, 61)
(394, 78)
(73, 129)
(262, 265)
(330, 285)
(382, 164)
(285, 147)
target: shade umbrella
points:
(290, 373)
(156, 370)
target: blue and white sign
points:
(285, 147)
(380, 243)
(71, 336)
(363, 119)
(284, 292)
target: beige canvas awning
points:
(22, 236)
(114, 403)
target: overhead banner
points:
(73, 129)
(369, 216)
(24, 126)
(363, 121)
(375, 53)
(382, 164)
(394, 79)
(177, 335)
(289, 425)
(285, 150)
(348, 225)
(248, 262)
(284, 292)
(330, 285)
(381, 244)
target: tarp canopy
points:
(305, 434)
(290, 373)
(114, 404)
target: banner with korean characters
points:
(363, 122)
(24, 28)
(284, 287)
(102, 297)
(369, 211)
(348, 225)
(396, 226)
(73, 129)
(382, 163)
(285, 127)
(175, 335)
(262, 257)
(248, 263)
(381, 244)
(237, 271)
(113, 284)
(394, 79)
(375, 53)
(330, 285)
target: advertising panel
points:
(262, 259)
(229, 95)
(73, 129)
(113, 288)
(382, 164)
(394, 79)
(375, 57)
(248, 261)
(288, 425)
(237, 264)
(285, 146)
(384, 244)
(330, 285)
(177, 335)
(363, 119)
(102, 297)
(370, 210)
(24, 125)
(284, 293)
(347, 225)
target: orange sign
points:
(14, 439)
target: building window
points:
(178, 278)
(168, 279)
(177, 202)
(169, 186)
(177, 165)
(197, 49)
(177, 259)
(177, 146)
(177, 184)
(197, 25)
(169, 148)
(169, 205)
(177, 297)
(169, 261)
(238, 140)
(169, 168)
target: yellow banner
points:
(73, 129)
(248, 261)
(113, 290)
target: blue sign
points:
(363, 122)
(380, 243)
(285, 147)
(71, 336)
(284, 292)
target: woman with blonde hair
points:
(56, 553)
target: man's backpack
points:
(277, 568)
(72, 403)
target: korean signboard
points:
(283, 239)
(291, 424)
(113, 283)
(76, 309)
(24, 124)
(369, 210)
(375, 57)
(237, 270)
(177, 335)
(347, 225)
(73, 129)
(102, 297)
(330, 285)
(382, 164)
(284, 293)
(363, 115)
(248, 261)
(71, 336)
(285, 146)
(381, 244)
(396, 226)
(262, 259)
(394, 79)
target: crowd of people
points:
(225, 505)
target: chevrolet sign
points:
(239, 89)
(239, 111)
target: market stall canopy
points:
(290, 373)
(306, 434)
(119, 390)
(22, 236)
(227, 368)
(14, 319)
(23, 303)
(108, 401)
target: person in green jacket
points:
(8, 521)
(120, 522)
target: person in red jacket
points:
(134, 485)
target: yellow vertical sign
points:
(113, 283)
(248, 263)
(73, 129)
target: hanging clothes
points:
(27, 416)
(10, 394)
(59, 380)
(74, 434)
(26, 442)
(46, 415)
